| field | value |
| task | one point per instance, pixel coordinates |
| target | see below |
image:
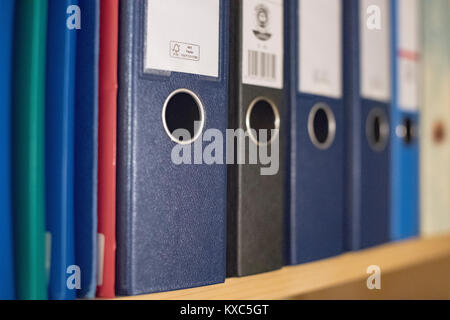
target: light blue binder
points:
(405, 119)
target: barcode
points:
(262, 65)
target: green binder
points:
(28, 148)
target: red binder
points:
(109, 25)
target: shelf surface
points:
(413, 269)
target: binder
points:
(255, 200)
(28, 148)
(435, 120)
(109, 26)
(6, 250)
(406, 57)
(86, 146)
(59, 127)
(367, 93)
(171, 216)
(317, 131)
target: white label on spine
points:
(320, 47)
(262, 43)
(183, 36)
(375, 50)
(408, 55)
(100, 257)
(48, 254)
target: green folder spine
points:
(29, 149)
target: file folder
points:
(59, 126)
(171, 216)
(435, 120)
(367, 92)
(28, 148)
(86, 146)
(109, 28)
(317, 131)
(255, 200)
(7, 290)
(405, 118)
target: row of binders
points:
(93, 94)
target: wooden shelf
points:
(414, 269)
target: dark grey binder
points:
(255, 202)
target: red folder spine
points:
(109, 24)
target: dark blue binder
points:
(405, 119)
(60, 101)
(170, 218)
(368, 153)
(86, 146)
(317, 132)
(6, 250)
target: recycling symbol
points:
(176, 49)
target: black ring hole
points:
(183, 112)
(263, 117)
(409, 131)
(376, 130)
(321, 126)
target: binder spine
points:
(7, 290)
(233, 120)
(125, 143)
(171, 218)
(109, 18)
(435, 119)
(291, 250)
(405, 145)
(375, 174)
(86, 146)
(60, 99)
(28, 150)
(317, 168)
(368, 150)
(290, 247)
(255, 202)
(352, 228)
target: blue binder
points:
(170, 218)
(6, 252)
(60, 97)
(405, 119)
(317, 140)
(86, 146)
(367, 94)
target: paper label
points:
(408, 55)
(48, 254)
(183, 36)
(320, 47)
(262, 43)
(101, 257)
(375, 50)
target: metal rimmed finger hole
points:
(183, 116)
(377, 129)
(262, 117)
(406, 131)
(322, 126)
